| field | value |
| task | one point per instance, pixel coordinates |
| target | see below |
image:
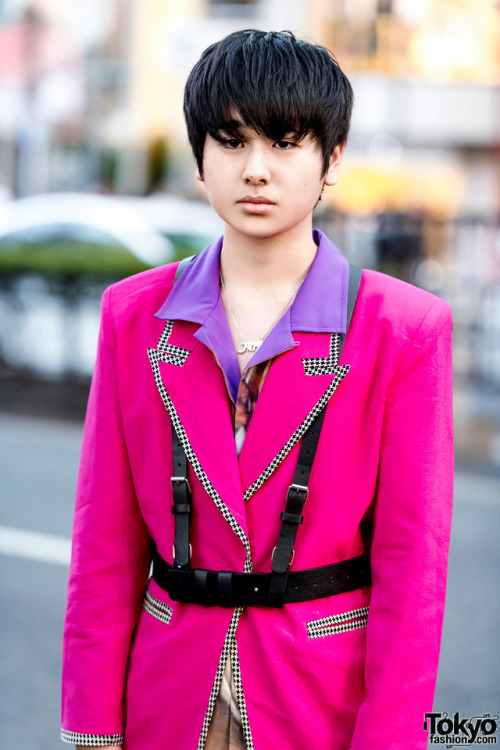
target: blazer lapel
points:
(298, 385)
(193, 391)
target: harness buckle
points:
(299, 488)
(190, 551)
(178, 481)
(290, 561)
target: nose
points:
(256, 171)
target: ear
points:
(199, 176)
(332, 174)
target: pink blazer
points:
(356, 670)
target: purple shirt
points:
(196, 298)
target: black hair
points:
(276, 84)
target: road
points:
(38, 465)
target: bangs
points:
(266, 87)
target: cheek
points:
(212, 181)
(310, 178)
(309, 186)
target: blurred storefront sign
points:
(401, 187)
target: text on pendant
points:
(249, 346)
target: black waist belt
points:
(230, 589)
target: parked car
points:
(51, 233)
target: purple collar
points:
(196, 298)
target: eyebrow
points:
(234, 128)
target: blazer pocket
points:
(157, 608)
(342, 623)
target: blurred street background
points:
(97, 182)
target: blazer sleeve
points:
(409, 553)
(109, 564)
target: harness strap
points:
(182, 265)
(298, 491)
(355, 273)
(230, 589)
(181, 508)
(296, 498)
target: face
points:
(263, 188)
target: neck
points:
(266, 263)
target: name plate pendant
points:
(249, 346)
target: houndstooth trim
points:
(324, 365)
(157, 608)
(226, 650)
(356, 618)
(91, 740)
(240, 697)
(167, 330)
(173, 359)
(340, 374)
(155, 357)
(174, 355)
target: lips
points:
(256, 205)
(256, 200)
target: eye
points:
(231, 143)
(285, 145)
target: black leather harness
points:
(280, 586)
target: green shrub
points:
(74, 259)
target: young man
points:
(296, 504)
